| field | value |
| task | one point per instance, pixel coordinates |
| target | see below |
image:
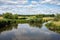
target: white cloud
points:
(14, 2)
(34, 2)
(56, 2)
(33, 8)
(45, 1)
(28, 9)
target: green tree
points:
(8, 15)
(15, 16)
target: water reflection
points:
(28, 32)
(35, 25)
(8, 27)
(55, 30)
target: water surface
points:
(27, 31)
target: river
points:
(25, 31)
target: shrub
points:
(10, 16)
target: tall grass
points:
(53, 26)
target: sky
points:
(28, 7)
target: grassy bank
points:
(4, 22)
(54, 26)
(25, 20)
(9, 18)
(45, 19)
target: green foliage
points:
(46, 15)
(36, 20)
(15, 16)
(39, 16)
(58, 15)
(56, 19)
(49, 24)
(22, 21)
(53, 27)
(10, 16)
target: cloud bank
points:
(30, 6)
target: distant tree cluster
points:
(10, 15)
(46, 15)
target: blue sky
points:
(30, 6)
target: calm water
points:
(28, 32)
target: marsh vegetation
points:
(34, 20)
(21, 27)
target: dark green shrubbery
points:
(10, 16)
(5, 22)
(37, 20)
(49, 24)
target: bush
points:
(15, 16)
(10, 16)
(37, 20)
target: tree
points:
(15, 16)
(8, 15)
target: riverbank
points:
(27, 20)
(54, 26)
(24, 19)
(9, 18)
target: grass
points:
(54, 26)
(27, 19)
(57, 23)
(45, 19)
(48, 18)
(1, 17)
